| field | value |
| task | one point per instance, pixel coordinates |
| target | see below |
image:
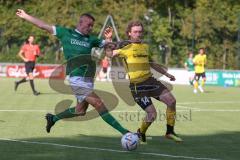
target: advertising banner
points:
(40, 71)
(3, 70)
(223, 78)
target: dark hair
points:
(87, 15)
(132, 24)
(26, 40)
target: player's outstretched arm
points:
(39, 23)
(162, 70)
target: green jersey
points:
(190, 64)
(77, 51)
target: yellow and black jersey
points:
(136, 61)
(200, 61)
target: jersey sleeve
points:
(59, 31)
(123, 52)
(120, 52)
(98, 42)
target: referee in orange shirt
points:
(28, 53)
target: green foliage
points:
(216, 29)
(177, 25)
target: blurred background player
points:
(199, 61)
(77, 45)
(29, 53)
(143, 85)
(189, 66)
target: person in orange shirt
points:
(28, 53)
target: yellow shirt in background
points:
(200, 61)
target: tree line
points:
(172, 27)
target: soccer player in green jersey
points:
(77, 44)
(189, 65)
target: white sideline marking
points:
(178, 106)
(209, 102)
(172, 156)
(116, 111)
(24, 110)
(216, 110)
(104, 149)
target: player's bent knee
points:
(30, 76)
(172, 104)
(82, 113)
(98, 103)
(154, 116)
(151, 116)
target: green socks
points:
(68, 113)
(191, 82)
(107, 117)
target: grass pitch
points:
(208, 123)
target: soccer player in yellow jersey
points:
(143, 85)
(199, 61)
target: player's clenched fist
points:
(108, 33)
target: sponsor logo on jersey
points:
(80, 43)
(140, 55)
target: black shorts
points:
(104, 70)
(198, 75)
(29, 67)
(142, 92)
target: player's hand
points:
(171, 77)
(21, 13)
(25, 60)
(108, 32)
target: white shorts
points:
(81, 87)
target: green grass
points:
(208, 123)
